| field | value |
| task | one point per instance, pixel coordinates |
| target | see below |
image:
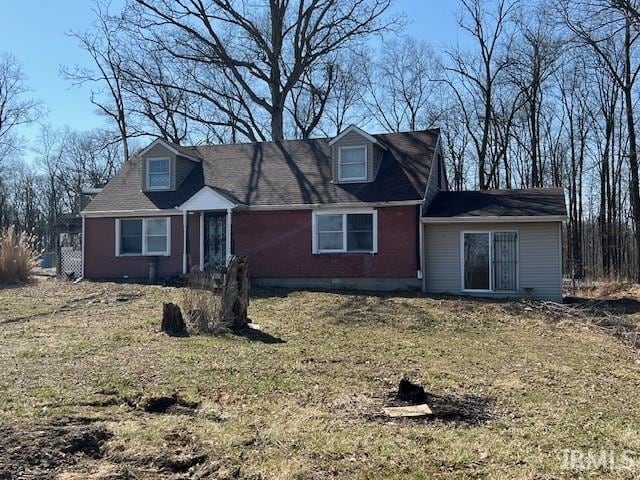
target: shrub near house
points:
(17, 257)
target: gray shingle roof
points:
(291, 172)
(499, 203)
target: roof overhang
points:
(131, 213)
(359, 131)
(170, 147)
(496, 219)
(319, 206)
(207, 198)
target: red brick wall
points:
(101, 261)
(278, 244)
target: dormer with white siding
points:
(356, 156)
(165, 165)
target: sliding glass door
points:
(505, 261)
(476, 261)
(490, 261)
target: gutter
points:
(496, 219)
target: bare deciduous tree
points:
(15, 107)
(403, 88)
(473, 76)
(265, 50)
(106, 50)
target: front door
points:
(215, 239)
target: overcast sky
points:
(35, 32)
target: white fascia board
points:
(301, 206)
(131, 213)
(495, 219)
(333, 206)
(359, 131)
(160, 141)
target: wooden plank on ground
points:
(408, 411)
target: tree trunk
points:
(235, 294)
(633, 151)
(277, 95)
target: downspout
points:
(422, 273)
(228, 236)
(184, 242)
(201, 241)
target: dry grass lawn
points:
(512, 388)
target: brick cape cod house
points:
(354, 211)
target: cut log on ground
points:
(172, 321)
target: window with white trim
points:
(143, 236)
(343, 232)
(489, 261)
(352, 163)
(158, 174)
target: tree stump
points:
(411, 392)
(235, 293)
(172, 321)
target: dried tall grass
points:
(202, 304)
(17, 256)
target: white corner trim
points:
(168, 146)
(359, 131)
(82, 239)
(207, 199)
(495, 219)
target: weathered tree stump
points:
(411, 392)
(172, 321)
(235, 293)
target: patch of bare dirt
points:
(172, 404)
(40, 452)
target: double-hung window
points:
(341, 232)
(352, 163)
(489, 261)
(158, 174)
(143, 236)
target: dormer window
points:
(158, 174)
(352, 164)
